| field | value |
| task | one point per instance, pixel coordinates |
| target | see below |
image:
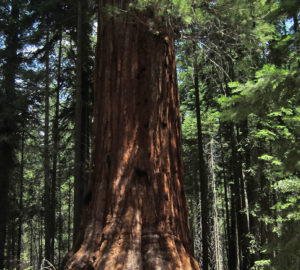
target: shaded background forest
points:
(238, 74)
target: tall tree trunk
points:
(233, 243)
(55, 140)
(246, 179)
(31, 244)
(5, 165)
(60, 227)
(12, 241)
(237, 242)
(216, 234)
(265, 198)
(233, 258)
(69, 213)
(196, 233)
(81, 113)
(136, 212)
(203, 174)
(226, 200)
(40, 241)
(240, 221)
(21, 202)
(47, 184)
(8, 121)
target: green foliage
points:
(271, 90)
(162, 16)
(273, 96)
(261, 264)
(287, 248)
(177, 9)
(247, 54)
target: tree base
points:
(126, 252)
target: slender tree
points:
(47, 180)
(205, 207)
(8, 119)
(55, 139)
(82, 129)
(21, 203)
(217, 262)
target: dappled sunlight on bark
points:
(137, 215)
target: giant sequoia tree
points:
(136, 212)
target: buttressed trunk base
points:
(136, 212)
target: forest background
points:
(238, 75)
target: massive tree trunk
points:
(136, 213)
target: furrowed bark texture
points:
(136, 212)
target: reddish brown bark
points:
(136, 212)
